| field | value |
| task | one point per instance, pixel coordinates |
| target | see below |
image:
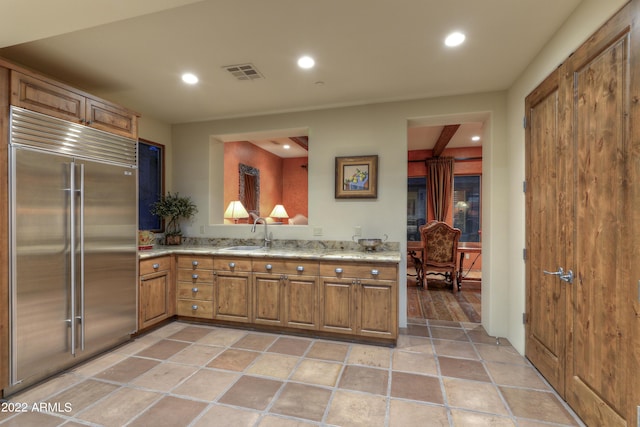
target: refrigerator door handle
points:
(72, 257)
(80, 318)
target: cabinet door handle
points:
(300, 268)
(194, 263)
(194, 307)
(268, 267)
(338, 270)
(194, 290)
(156, 266)
(374, 272)
(194, 276)
(232, 265)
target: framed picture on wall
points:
(357, 177)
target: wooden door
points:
(600, 318)
(590, 167)
(546, 206)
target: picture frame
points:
(356, 177)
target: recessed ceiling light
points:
(286, 146)
(190, 78)
(306, 62)
(475, 138)
(454, 39)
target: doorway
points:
(460, 137)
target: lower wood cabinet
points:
(156, 291)
(359, 299)
(285, 293)
(348, 298)
(232, 289)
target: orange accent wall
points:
(295, 188)
(282, 181)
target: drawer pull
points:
(194, 307)
(194, 276)
(232, 265)
(194, 290)
(300, 268)
(268, 267)
(374, 272)
(338, 270)
(156, 266)
(194, 263)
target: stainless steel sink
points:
(243, 248)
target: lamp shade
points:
(279, 212)
(235, 210)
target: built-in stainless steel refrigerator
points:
(73, 234)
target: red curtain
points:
(440, 181)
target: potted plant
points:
(173, 208)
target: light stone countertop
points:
(328, 254)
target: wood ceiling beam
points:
(302, 141)
(445, 136)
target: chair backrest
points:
(440, 242)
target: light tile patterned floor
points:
(440, 374)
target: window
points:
(416, 207)
(466, 207)
(150, 183)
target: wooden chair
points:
(440, 252)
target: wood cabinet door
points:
(268, 299)
(111, 118)
(337, 305)
(232, 296)
(47, 98)
(301, 302)
(155, 304)
(376, 310)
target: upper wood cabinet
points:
(54, 99)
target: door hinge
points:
(524, 186)
(524, 254)
(524, 318)
(524, 122)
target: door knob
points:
(566, 277)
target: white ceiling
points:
(134, 51)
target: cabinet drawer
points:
(195, 276)
(196, 292)
(361, 271)
(195, 262)
(153, 265)
(195, 308)
(285, 266)
(232, 264)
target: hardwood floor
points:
(439, 303)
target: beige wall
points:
(585, 20)
(160, 133)
(374, 129)
(381, 129)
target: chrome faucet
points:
(267, 240)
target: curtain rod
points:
(457, 159)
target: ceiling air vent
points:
(244, 71)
